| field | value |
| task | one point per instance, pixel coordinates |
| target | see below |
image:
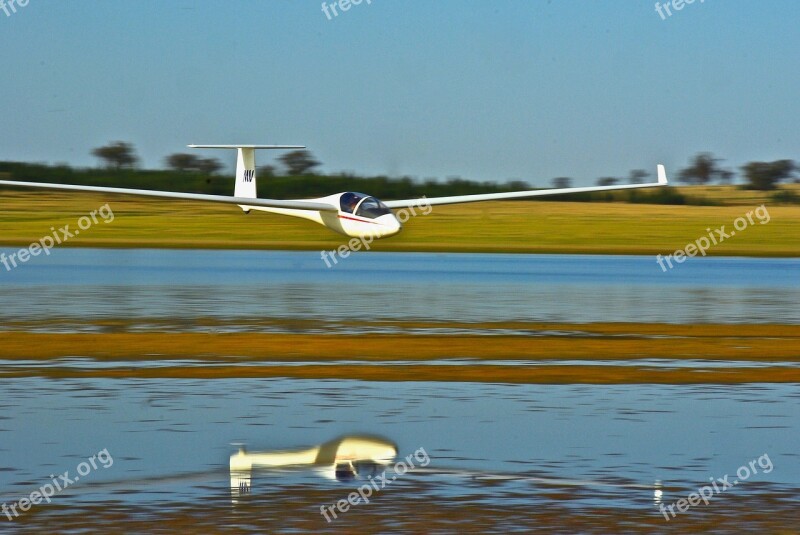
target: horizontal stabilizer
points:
(276, 147)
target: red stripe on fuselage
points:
(359, 220)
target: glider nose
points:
(390, 224)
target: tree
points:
(765, 175)
(517, 185)
(208, 166)
(562, 182)
(704, 169)
(637, 176)
(607, 181)
(726, 176)
(266, 171)
(117, 155)
(181, 161)
(298, 162)
(190, 163)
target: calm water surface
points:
(501, 456)
(95, 283)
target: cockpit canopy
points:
(363, 205)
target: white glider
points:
(341, 459)
(350, 213)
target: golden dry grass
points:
(331, 356)
(518, 227)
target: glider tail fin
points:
(245, 174)
(245, 186)
(662, 175)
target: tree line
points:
(294, 175)
(121, 155)
(703, 169)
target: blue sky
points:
(483, 90)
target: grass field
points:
(516, 227)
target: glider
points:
(353, 214)
(341, 459)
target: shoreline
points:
(427, 249)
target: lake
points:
(501, 457)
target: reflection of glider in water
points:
(343, 458)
